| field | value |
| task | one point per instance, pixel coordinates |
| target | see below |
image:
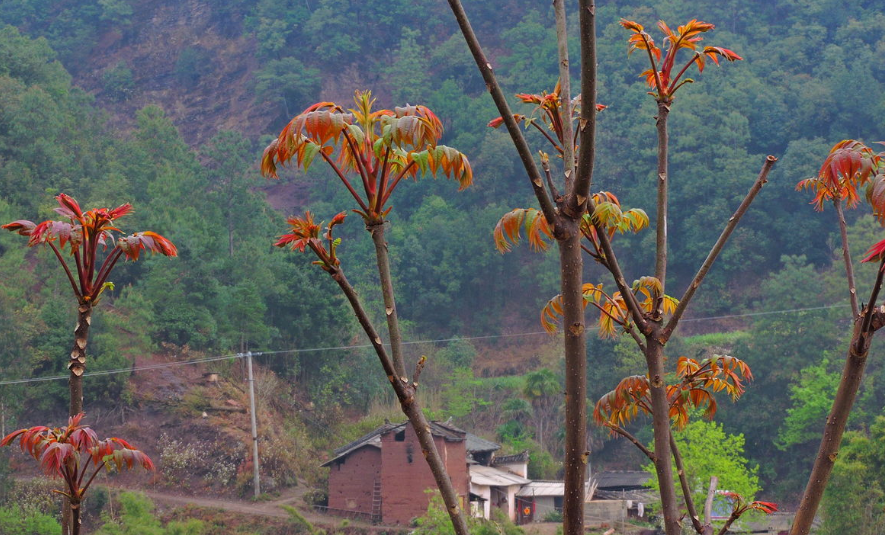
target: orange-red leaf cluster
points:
(661, 77)
(84, 234)
(699, 381)
(67, 452)
(306, 233)
(146, 241)
(849, 165)
(536, 229)
(376, 149)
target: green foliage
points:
(408, 74)
(137, 518)
(27, 522)
(707, 450)
(299, 522)
(117, 12)
(436, 521)
(287, 83)
(193, 63)
(812, 398)
(118, 81)
(459, 353)
(459, 395)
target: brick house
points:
(383, 474)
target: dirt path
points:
(271, 508)
(291, 497)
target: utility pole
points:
(257, 483)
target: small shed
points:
(495, 488)
(538, 499)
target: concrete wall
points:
(405, 475)
(352, 480)
(609, 513)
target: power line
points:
(133, 369)
(748, 314)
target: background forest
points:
(167, 104)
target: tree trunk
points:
(873, 319)
(405, 393)
(75, 518)
(654, 358)
(576, 454)
(383, 260)
(77, 364)
(852, 374)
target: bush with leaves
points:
(136, 518)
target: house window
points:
(557, 503)
(400, 437)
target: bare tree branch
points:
(587, 122)
(626, 434)
(846, 256)
(717, 247)
(683, 481)
(663, 183)
(565, 95)
(405, 392)
(522, 147)
(846, 393)
(708, 506)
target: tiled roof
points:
(515, 458)
(546, 488)
(621, 479)
(477, 444)
(448, 432)
(492, 477)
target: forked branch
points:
(717, 247)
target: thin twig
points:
(548, 136)
(624, 433)
(636, 338)
(611, 264)
(346, 182)
(683, 482)
(553, 191)
(846, 256)
(396, 181)
(358, 157)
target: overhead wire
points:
(132, 369)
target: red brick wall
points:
(351, 482)
(403, 483)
